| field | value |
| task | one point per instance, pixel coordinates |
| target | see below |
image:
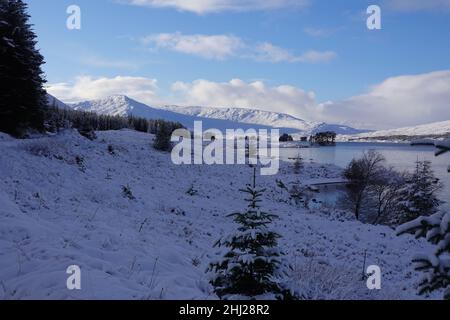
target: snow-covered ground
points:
(445, 144)
(62, 204)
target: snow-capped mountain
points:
(252, 116)
(266, 118)
(120, 105)
(431, 130)
(117, 105)
(220, 118)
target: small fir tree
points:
(420, 197)
(163, 136)
(436, 266)
(252, 265)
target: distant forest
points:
(57, 119)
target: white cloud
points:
(238, 93)
(221, 47)
(210, 6)
(418, 5)
(88, 88)
(271, 53)
(317, 56)
(320, 32)
(268, 52)
(398, 101)
(206, 46)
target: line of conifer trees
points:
(24, 105)
(57, 119)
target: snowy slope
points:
(61, 203)
(427, 130)
(119, 105)
(339, 129)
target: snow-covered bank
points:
(445, 147)
(445, 144)
(63, 203)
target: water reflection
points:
(400, 156)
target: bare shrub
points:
(47, 148)
(361, 173)
(319, 280)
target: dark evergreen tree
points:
(286, 138)
(163, 137)
(436, 266)
(86, 122)
(324, 138)
(22, 96)
(419, 195)
(252, 266)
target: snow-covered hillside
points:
(120, 105)
(63, 203)
(220, 118)
(431, 130)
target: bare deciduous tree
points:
(361, 173)
(384, 192)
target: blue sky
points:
(317, 58)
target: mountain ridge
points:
(439, 129)
(120, 105)
(220, 118)
(251, 116)
(233, 118)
